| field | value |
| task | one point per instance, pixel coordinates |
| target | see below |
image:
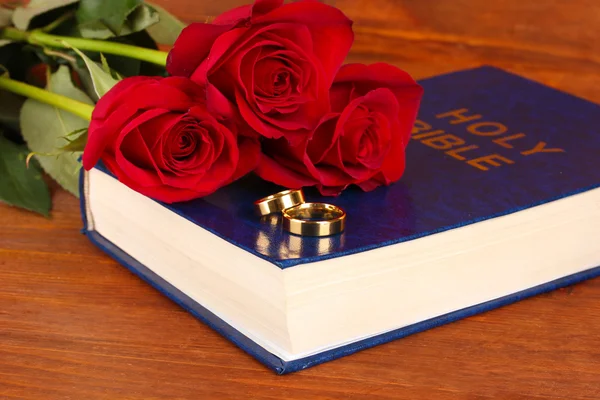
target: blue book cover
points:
(486, 143)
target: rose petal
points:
(371, 184)
(365, 78)
(193, 46)
(214, 135)
(98, 139)
(267, 130)
(296, 37)
(152, 130)
(270, 120)
(197, 159)
(297, 89)
(142, 118)
(158, 95)
(275, 172)
(383, 101)
(159, 192)
(393, 166)
(181, 144)
(331, 190)
(254, 121)
(323, 138)
(221, 51)
(376, 143)
(111, 100)
(357, 121)
(305, 119)
(135, 153)
(243, 71)
(330, 29)
(218, 104)
(226, 45)
(280, 158)
(140, 174)
(234, 16)
(224, 166)
(378, 75)
(239, 14)
(194, 92)
(262, 7)
(334, 156)
(225, 146)
(331, 176)
(249, 157)
(340, 96)
(103, 133)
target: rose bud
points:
(275, 62)
(156, 136)
(362, 141)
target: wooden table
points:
(75, 325)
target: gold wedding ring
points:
(278, 202)
(314, 219)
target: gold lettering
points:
(444, 142)
(498, 129)
(459, 116)
(455, 152)
(503, 141)
(428, 134)
(490, 160)
(420, 126)
(541, 148)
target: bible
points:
(500, 200)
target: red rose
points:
(362, 141)
(274, 62)
(157, 137)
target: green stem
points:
(65, 103)
(38, 37)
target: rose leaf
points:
(78, 143)
(168, 28)
(10, 107)
(23, 15)
(102, 80)
(21, 186)
(44, 128)
(141, 18)
(106, 68)
(102, 19)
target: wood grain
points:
(76, 325)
